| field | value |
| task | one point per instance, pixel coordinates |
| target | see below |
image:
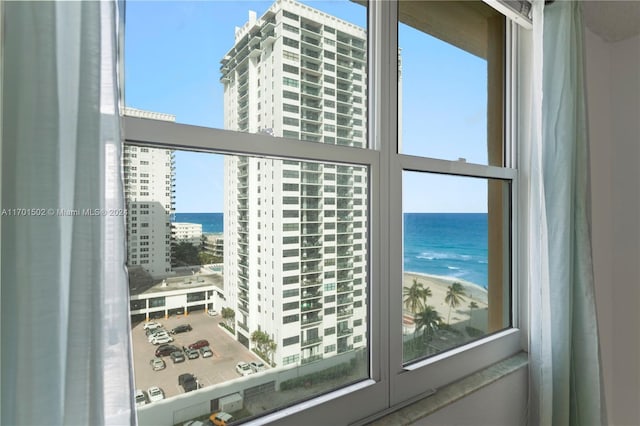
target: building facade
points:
(149, 194)
(214, 245)
(296, 232)
(184, 232)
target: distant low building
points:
(183, 232)
(214, 245)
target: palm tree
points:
(454, 297)
(472, 306)
(428, 321)
(414, 297)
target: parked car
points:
(155, 394)
(188, 382)
(164, 350)
(157, 333)
(221, 418)
(212, 312)
(177, 356)
(163, 338)
(206, 352)
(243, 369)
(199, 344)
(141, 398)
(191, 353)
(151, 325)
(156, 330)
(257, 366)
(181, 329)
(157, 364)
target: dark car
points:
(177, 356)
(199, 344)
(164, 350)
(191, 353)
(188, 382)
(181, 329)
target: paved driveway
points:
(216, 369)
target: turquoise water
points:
(447, 244)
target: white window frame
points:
(391, 384)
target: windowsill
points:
(453, 392)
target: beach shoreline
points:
(461, 314)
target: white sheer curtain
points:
(565, 378)
(66, 355)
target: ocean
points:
(212, 223)
(444, 244)
(447, 244)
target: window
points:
(310, 248)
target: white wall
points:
(503, 403)
(613, 86)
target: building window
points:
(305, 226)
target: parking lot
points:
(216, 369)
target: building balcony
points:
(345, 332)
(310, 66)
(306, 295)
(344, 265)
(345, 218)
(311, 254)
(311, 230)
(311, 103)
(308, 281)
(344, 299)
(310, 306)
(305, 27)
(311, 242)
(344, 228)
(310, 53)
(345, 276)
(243, 307)
(345, 240)
(311, 342)
(310, 40)
(307, 320)
(310, 91)
(344, 287)
(309, 359)
(311, 269)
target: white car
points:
(141, 398)
(212, 312)
(206, 352)
(162, 339)
(156, 335)
(157, 364)
(155, 394)
(243, 369)
(151, 325)
(257, 366)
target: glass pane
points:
(255, 272)
(450, 86)
(289, 69)
(456, 285)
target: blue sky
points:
(172, 60)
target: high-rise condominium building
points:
(295, 232)
(149, 195)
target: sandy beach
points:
(460, 315)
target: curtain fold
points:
(66, 355)
(565, 379)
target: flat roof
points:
(140, 282)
